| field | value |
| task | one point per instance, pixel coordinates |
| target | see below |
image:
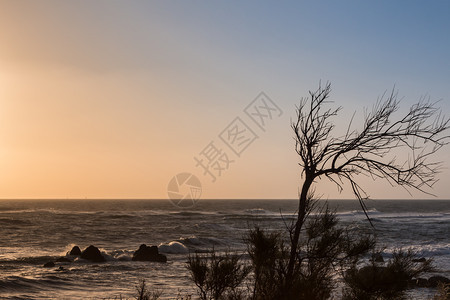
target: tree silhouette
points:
(419, 133)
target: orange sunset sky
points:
(111, 99)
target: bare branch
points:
(396, 149)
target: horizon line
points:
(221, 199)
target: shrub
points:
(443, 292)
(375, 281)
(324, 249)
(217, 277)
(327, 248)
(143, 293)
(267, 254)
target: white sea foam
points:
(174, 247)
(426, 250)
(259, 211)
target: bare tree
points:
(420, 133)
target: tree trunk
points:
(301, 214)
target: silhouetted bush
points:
(268, 256)
(143, 293)
(325, 249)
(375, 281)
(443, 292)
(217, 276)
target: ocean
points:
(33, 232)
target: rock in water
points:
(75, 251)
(433, 281)
(63, 259)
(148, 253)
(378, 258)
(93, 254)
(49, 264)
(421, 260)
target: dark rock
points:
(75, 251)
(63, 259)
(379, 278)
(421, 260)
(378, 258)
(372, 271)
(433, 281)
(49, 264)
(161, 258)
(148, 253)
(93, 254)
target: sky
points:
(112, 99)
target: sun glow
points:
(116, 104)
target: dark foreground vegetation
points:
(333, 263)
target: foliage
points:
(376, 281)
(143, 293)
(217, 276)
(326, 248)
(443, 292)
(267, 254)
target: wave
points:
(110, 213)
(203, 244)
(28, 256)
(17, 283)
(15, 222)
(261, 213)
(258, 211)
(173, 247)
(428, 250)
(380, 216)
(357, 213)
(409, 215)
(202, 241)
(215, 226)
(189, 213)
(193, 243)
(44, 210)
(115, 255)
(29, 260)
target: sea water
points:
(33, 232)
